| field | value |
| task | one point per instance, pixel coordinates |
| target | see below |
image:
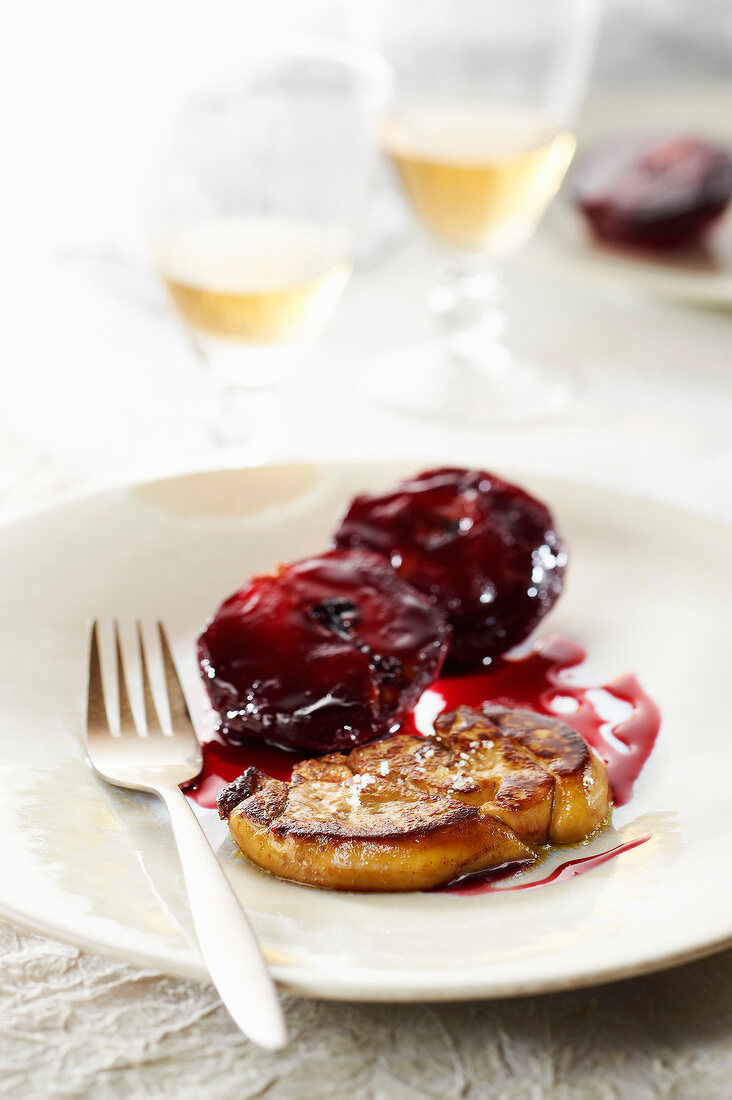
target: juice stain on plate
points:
(486, 882)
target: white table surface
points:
(99, 387)
(651, 413)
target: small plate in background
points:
(563, 244)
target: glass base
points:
(247, 423)
(426, 383)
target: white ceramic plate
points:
(562, 243)
(648, 591)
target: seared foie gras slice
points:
(581, 791)
(409, 813)
(468, 759)
(352, 831)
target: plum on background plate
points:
(325, 654)
(483, 551)
(654, 192)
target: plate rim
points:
(287, 981)
(303, 981)
(81, 494)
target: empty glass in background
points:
(480, 133)
(261, 186)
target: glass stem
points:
(467, 303)
(247, 420)
(245, 407)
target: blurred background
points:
(100, 386)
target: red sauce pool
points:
(537, 681)
(223, 763)
(487, 883)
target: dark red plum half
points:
(483, 551)
(324, 654)
(654, 192)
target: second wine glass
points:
(480, 135)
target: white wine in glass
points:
(480, 134)
(253, 223)
(260, 282)
(479, 176)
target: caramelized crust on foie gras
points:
(470, 765)
(368, 836)
(411, 813)
(581, 791)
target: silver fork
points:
(151, 760)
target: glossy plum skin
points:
(483, 551)
(325, 654)
(654, 193)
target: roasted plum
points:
(324, 654)
(654, 193)
(482, 550)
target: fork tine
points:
(179, 714)
(126, 719)
(96, 712)
(152, 719)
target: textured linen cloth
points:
(76, 1025)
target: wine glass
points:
(260, 187)
(479, 132)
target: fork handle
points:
(227, 942)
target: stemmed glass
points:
(252, 220)
(480, 134)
